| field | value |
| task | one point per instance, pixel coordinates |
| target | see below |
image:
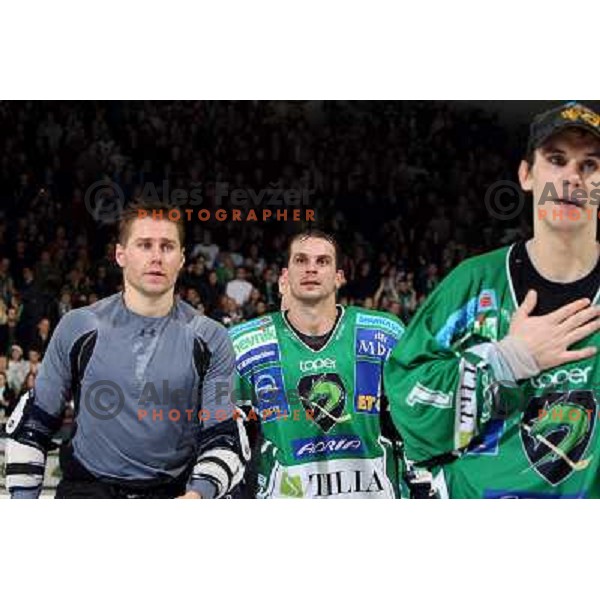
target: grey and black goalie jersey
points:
(151, 397)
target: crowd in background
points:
(400, 184)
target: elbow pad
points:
(222, 456)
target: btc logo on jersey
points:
(367, 403)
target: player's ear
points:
(525, 176)
(340, 279)
(120, 255)
(282, 282)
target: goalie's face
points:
(312, 275)
(151, 257)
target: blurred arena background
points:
(401, 184)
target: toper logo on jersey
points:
(324, 397)
(316, 364)
(562, 378)
(556, 431)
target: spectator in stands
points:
(258, 262)
(41, 339)
(3, 326)
(10, 333)
(211, 292)
(7, 396)
(34, 361)
(269, 287)
(239, 288)
(28, 383)
(207, 249)
(47, 274)
(250, 307)
(17, 368)
(194, 275)
(228, 312)
(395, 308)
(365, 284)
(102, 284)
(193, 297)
(6, 281)
(65, 304)
(407, 297)
(430, 277)
(394, 179)
(225, 268)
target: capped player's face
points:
(565, 181)
(152, 256)
(311, 274)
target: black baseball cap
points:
(572, 114)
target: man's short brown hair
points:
(152, 208)
(320, 235)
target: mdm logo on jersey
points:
(373, 343)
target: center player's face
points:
(151, 257)
(564, 181)
(311, 274)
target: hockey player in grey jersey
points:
(150, 380)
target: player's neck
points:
(563, 258)
(317, 319)
(148, 306)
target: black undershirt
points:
(315, 342)
(551, 294)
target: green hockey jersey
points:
(444, 388)
(319, 411)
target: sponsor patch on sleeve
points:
(256, 356)
(423, 395)
(380, 322)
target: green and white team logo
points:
(324, 398)
(556, 431)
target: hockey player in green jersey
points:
(311, 377)
(497, 382)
